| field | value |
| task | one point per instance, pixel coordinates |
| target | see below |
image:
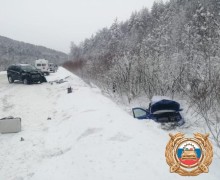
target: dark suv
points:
(26, 73)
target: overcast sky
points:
(55, 23)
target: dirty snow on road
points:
(82, 135)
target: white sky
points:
(55, 23)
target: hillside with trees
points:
(12, 52)
(172, 49)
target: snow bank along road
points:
(88, 137)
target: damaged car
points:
(25, 73)
(162, 110)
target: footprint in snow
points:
(120, 137)
(89, 110)
(88, 132)
(57, 152)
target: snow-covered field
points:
(87, 136)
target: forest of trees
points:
(12, 52)
(172, 49)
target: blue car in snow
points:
(161, 110)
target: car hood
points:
(165, 106)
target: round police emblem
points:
(189, 156)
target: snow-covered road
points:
(88, 137)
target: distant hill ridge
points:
(12, 51)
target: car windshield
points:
(28, 68)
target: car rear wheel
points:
(10, 79)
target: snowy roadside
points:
(194, 121)
(88, 136)
(3, 72)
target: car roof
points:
(25, 64)
(21, 65)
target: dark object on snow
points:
(69, 90)
(162, 111)
(114, 87)
(49, 118)
(22, 139)
(25, 73)
(10, 125)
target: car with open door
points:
(162, 110)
